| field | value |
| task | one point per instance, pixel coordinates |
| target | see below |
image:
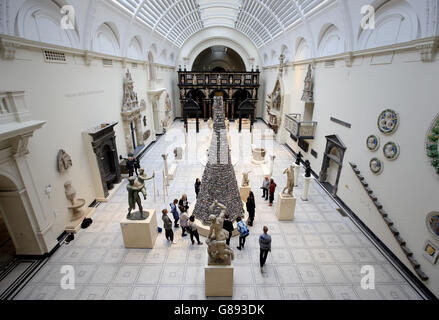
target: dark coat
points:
(228, 225)
(250, 204)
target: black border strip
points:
(390, 255)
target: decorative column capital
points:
(8, 49)
(428, 49)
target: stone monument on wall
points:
(219, 180)
(308, 93)
(131, 115)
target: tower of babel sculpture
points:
(219, 180)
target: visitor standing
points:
(272, 190)
(265, 187)
(228, 226)
(197, 186)
(167, 225)
(130, 165)
(136, 164)
(184, 218)
(193, 230)
(265, 247)
(243, 232)
(174, 212)
(183, 204)
(251, 206)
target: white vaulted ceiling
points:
(260, 20)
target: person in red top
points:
(272, 189)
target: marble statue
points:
(299, 158)
(182, 94)
(178, 153)
(133, 198)
(308, 93)
(141, 181)
(307, 169)
(63, 160)
(219, 252)
(218, 79)
(290, 181)
(242, 79)
(194, 80)
(245, 179)
(70, 192)
(206, 93)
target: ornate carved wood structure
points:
(233, 87)
(104, 146)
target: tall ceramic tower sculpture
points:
(219, 180)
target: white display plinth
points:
(140, 234)
(218, 281)
(296, 174)
(306, 181)
(285, 207)
(244, 192)
(172, 171)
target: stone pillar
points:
(296, 174)
(306, 180)
(165, 159)
(272, 157)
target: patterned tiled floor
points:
(318, 256)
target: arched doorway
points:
(16, 223)
(239, 97)
(218, 59)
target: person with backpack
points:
(243, 232)
(174, 212)
(265, 247)
(192, 226)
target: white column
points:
(272, 164)
(306, 180)
(165, 159)
(296, 174)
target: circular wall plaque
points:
(376, 166)
(391, 151)
(432, 144)
(388, 121)
(432, 221)
(373, 142)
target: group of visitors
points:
(268, 188)
(132, 165)
(179, 210)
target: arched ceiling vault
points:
(260, 20)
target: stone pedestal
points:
(218, 281)
(296, 174)
(140, 234)
(244, 192)
(306, 181)
(285, 207)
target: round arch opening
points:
(218, 59)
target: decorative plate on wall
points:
(432, 144)
(373, 142)
(388, 121)
(391, 150)
(433, 223)
(376, 166)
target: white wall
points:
(73, 98)
(407, 188)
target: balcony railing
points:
(300, 129)
(226, 79)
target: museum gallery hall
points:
(219, 150)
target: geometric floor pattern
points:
(317, 256)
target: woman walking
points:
(251, 206)
(272, 190)
(228, 226)
(197, 186)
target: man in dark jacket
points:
(130, 165)
(265, 247)
(228, 225)
(136, 164)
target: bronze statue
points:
(133, 197)
(141, 181)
